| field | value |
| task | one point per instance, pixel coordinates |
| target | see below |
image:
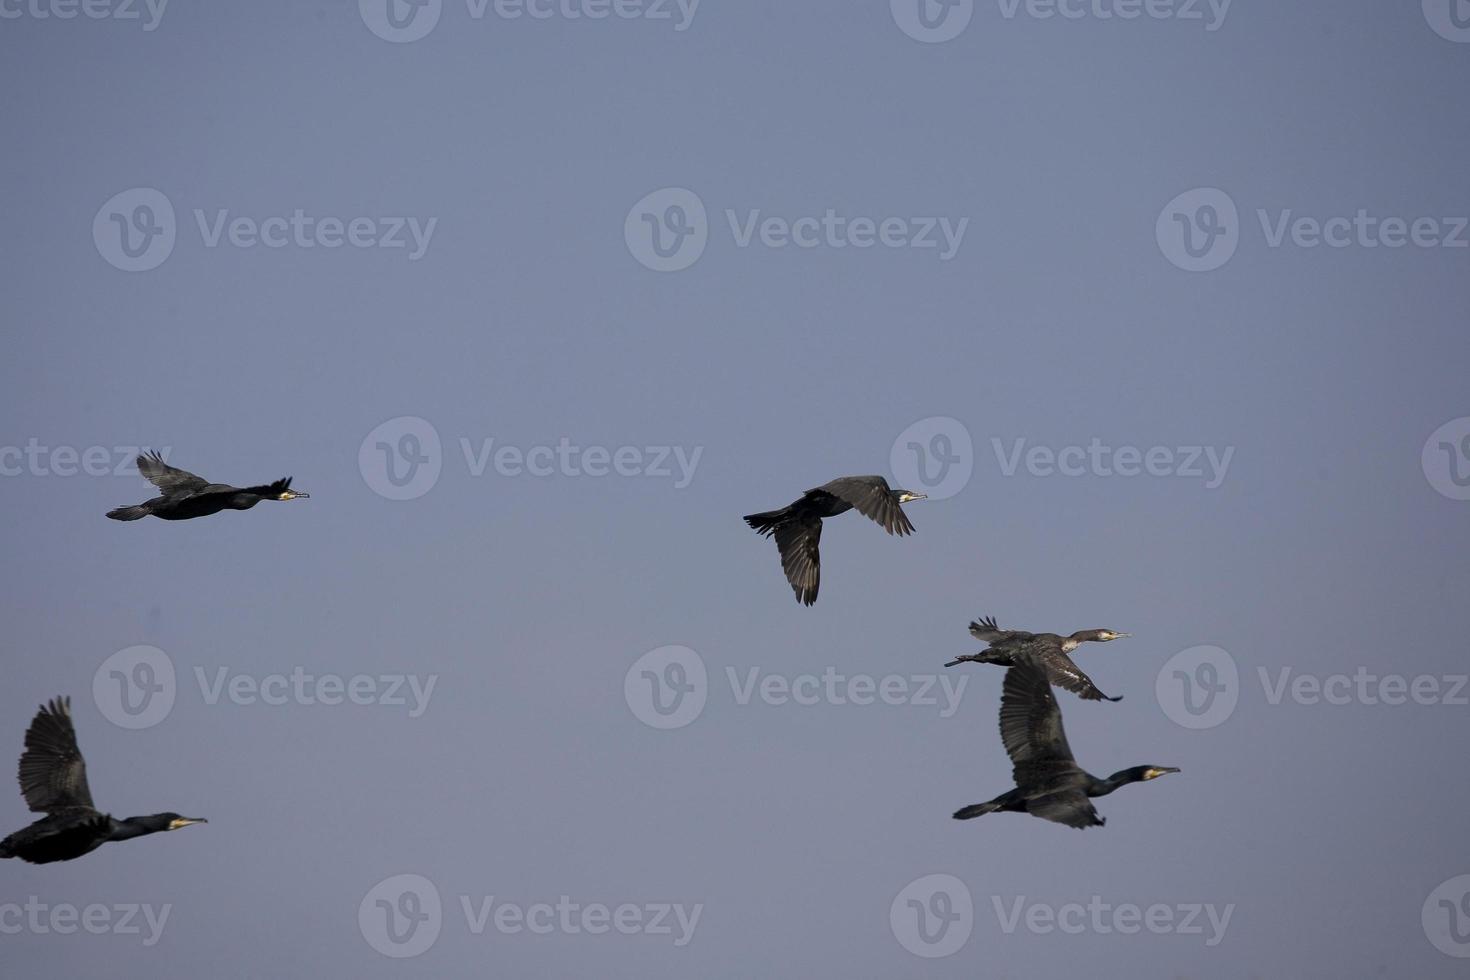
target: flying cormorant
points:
(186, 495)
(798, 528)
(1007, 647)
(53, 780)
(1049, 783)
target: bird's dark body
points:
(1050, 650)
(1049, 783)
(797, 527)
(186, 496)
(53, 780)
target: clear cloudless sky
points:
(532, 317)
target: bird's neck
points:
(136, 827)
(1102, 787)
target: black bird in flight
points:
(798, 527)
(1049, 783)
(1009, 647)
(185, 495)
(53, 780)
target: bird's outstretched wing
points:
(1064, 673)
(1030, 721)
(873, 499)
(800, 560)
(169, 479)
(53, 775)
(986, 631)
(1043, 766)
(1068, 806)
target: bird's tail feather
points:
(7, 850)
(767, 521)
(976, 810)
(131, 513)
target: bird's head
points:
(156, 822)
(1146, 773)
(281, 490)
(1098, 636)
(904, 496)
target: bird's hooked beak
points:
(1110, 635)
(292, 494)
(178, 822)
(1158, 771)
(905, 496)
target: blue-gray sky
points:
(1074, 149)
